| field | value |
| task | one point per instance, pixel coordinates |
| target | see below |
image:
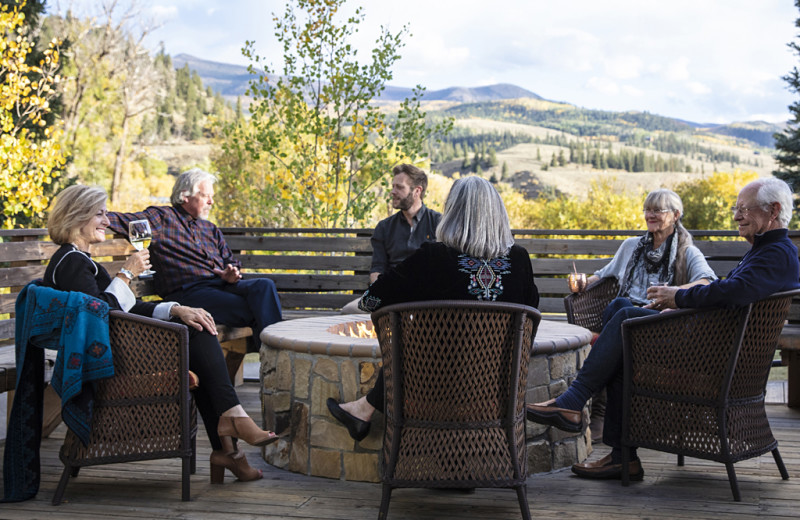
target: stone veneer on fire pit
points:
(305, 361)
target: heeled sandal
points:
(246, 429)
(236, 463)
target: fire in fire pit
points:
(354, 329)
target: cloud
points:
(163, 12)
(697, 88)
(605, 86)
(631, 91)
(432, 52)
(623, 66)
(677, 69)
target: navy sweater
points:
(770, 266)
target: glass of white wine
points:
(140, 235)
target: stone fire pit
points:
(305, 361)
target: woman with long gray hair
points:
(664, 255)
(474, 258)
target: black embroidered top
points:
(438, 272)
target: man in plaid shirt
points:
(192, 262)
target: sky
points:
(706, 61)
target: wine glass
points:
(140, 235)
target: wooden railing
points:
(320, 270)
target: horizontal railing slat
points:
(320, 244)
(318, 282)
(312, 263)
(26, 251)
(290, 300)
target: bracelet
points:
(127, 274)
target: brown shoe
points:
(236, 463)
(606, 469)
(561, 418)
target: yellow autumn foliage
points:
(707, 202)
(28, 161)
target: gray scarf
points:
(645, 260)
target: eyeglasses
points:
(743, 209)
(651, 211)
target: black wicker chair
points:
(145, 411)
(586, 308)
(456, 374)
(695, 383)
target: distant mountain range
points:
(231, 81)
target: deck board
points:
(151, 489)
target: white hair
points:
(187, 184)
(771, 190)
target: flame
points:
(358, 329)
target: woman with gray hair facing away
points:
(474, 258)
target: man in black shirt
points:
(396, 237)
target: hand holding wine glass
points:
(140, 235)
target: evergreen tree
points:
(492, 157)
(787, 143)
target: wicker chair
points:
(586, 308)
(695, 382)
(145, 411)
(456, 374)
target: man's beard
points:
(405, 203)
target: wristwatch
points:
(128, 274)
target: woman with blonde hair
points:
(78, 219)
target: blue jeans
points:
(603, 369)
(247, 303)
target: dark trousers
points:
(247, 303)
(603, 367)
(215, 393)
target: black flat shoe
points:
(357, 428)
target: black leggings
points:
(375, 395)
(215, 393)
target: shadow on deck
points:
(152, 489)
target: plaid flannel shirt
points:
(183, 250)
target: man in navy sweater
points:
(762, 211)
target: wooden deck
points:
(152, 490)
